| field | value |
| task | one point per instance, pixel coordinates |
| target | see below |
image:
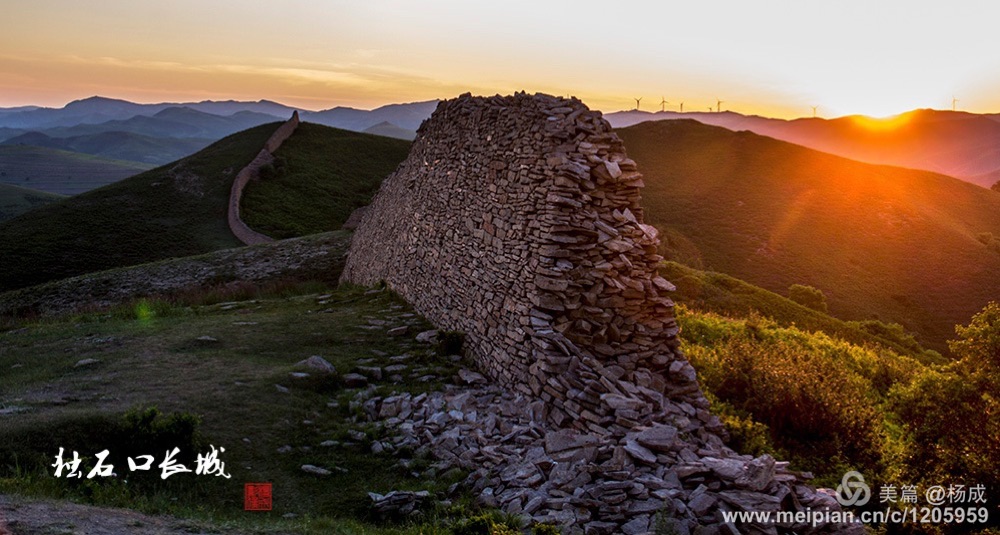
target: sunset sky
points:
(769, 57)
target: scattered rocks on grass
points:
(312, 469)
(427, 337)
(317, 363)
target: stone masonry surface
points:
(517, 221)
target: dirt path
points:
(29, 516)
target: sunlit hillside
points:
(912, 247)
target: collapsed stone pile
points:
(652, 477)
(517, 221)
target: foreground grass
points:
(158, 355)
(320, 176)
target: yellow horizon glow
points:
(771, 58)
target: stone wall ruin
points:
(517, 221)
(241, 230)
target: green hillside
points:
(118, 145)
(59, 171)
(911, 247)
(15, 201)
(718, 293)
(175, 210)
(320, 176)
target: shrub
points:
(808, 296)
(485, 524)
(951, 416)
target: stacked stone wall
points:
(252, 172)
(516, 220)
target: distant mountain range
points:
(52, 149)
(958, 144)
(100, 114)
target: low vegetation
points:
(173, 211)
(721, 294)
(60, 171)
(320, 176)
(223, 380)
(15, 200)
(830, 406)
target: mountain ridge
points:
(959, 144)
(775, 214)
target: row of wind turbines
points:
(664, 102)
(719, 103)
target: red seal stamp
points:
(257, 497)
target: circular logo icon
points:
(853, 490)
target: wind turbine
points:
(954, 101)
(663, 104)
(682, 107)
(814, 111)
(637, 103)
(718, 105)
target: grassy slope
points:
(118, 145)
(718, 293)
(322, 175)
(15, 200)
(59, 171)
(884, 242)
(230, 385)
(172, 211)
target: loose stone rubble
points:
(654, 476)
(517, 221)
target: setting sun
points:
(882, 124)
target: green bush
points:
(485, 524)
(806, 394)
(545, 529)
(140, 431)
(951, 416)
(808, 296)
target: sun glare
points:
(882, 124)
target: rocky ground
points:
(317, 257)
(660, 478)
(27, 516)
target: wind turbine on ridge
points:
(682, 107)
(814, 111)
(954, 101)
(637, 103)
(718, 105)
(663, 104)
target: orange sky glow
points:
(774, 58)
